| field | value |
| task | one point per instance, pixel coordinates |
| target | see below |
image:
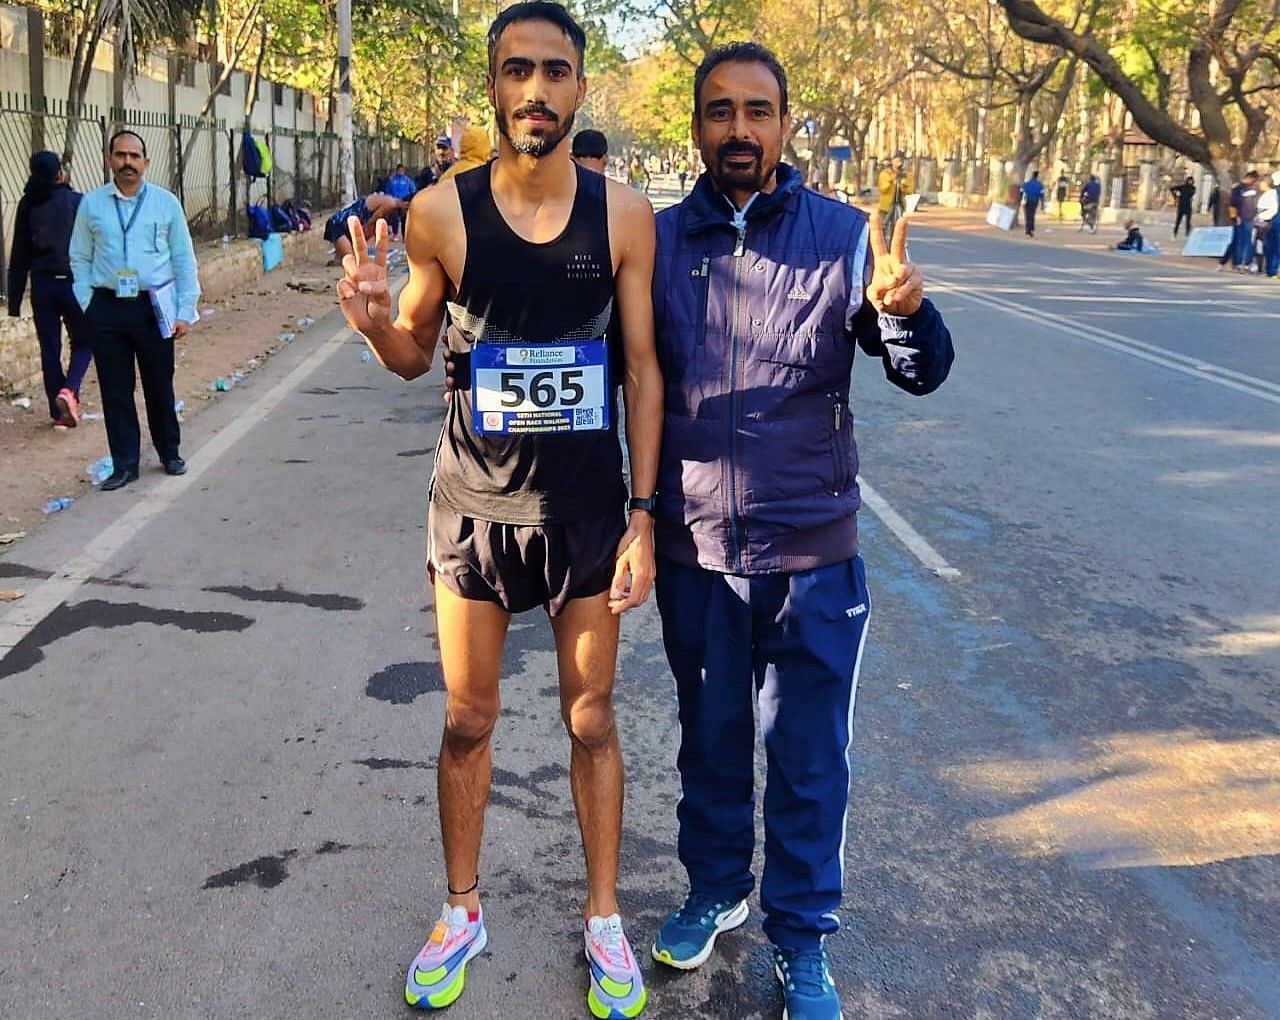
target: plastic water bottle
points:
(179, 406)
(306, 322)
(286, 338)
(54, 505)
(99, 470)
(366, 356)
(225, 240)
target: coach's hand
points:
(897, 286)
(636, 567)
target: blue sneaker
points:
(689, 934)
(439, 972)
(808, 992)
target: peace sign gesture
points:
(363, 292)
(897, 287)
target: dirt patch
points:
(39, 463)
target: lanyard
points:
(125, 228)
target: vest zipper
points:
(703, 300)
(735, 525)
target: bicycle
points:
(1088, 217)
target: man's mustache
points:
(739, 149)
(537, 108)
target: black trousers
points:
(1184, 215)
(1030, 209)
(125, 332)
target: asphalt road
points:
(217, 751)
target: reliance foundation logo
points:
(537, 356)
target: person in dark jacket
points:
(41, 238)
(763, 290)
(1184, 194)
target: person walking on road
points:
(1033, 199)
(1268, 231)
(42, 226)
(134, 270)
(1242, 208)
(1184, 194)
(762, 291)
(529, 254)
(1060, 194)
(893, 185)
(400, 186)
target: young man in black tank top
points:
(527, 503)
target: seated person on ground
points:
(1132, 238)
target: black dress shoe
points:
(176, 466)
(118, 480)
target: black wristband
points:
(645, 503)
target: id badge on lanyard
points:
(128, 282)
(540, 388)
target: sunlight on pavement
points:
(1224, 437)
(1256, 634)
(1170, 799)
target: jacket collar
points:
(706, 209)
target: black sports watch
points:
(645, 503)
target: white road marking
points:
(916, 543)
(1194, 367)
(46, 596)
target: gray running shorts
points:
(518, 566)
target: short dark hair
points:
(590, 143)
(740, 53)
(111, 143)
(538, 10)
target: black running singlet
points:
(524, 295)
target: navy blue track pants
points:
(793, 643)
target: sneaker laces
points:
(698, 908)
(607, 933)
(805, 971)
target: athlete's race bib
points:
(540, 388)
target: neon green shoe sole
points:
(604, 1011)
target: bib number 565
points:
(545, 388)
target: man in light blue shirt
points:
(134, 268)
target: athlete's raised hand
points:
(635, 569)
(897, 286)
(363, 291)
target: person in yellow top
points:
(893, 184)
(474, 152)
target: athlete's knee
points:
(468, 723)
(590, 722)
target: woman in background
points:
(41, 237)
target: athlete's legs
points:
(342, 247)
(471, 634)
(586, 634)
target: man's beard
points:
(748, 178)
(539, 145)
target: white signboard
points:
(1208, 241)
(1001, 216)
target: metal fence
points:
(197, 159)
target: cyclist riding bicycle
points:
(1090, 194)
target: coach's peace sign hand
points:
(897, 287)
(363, 292)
